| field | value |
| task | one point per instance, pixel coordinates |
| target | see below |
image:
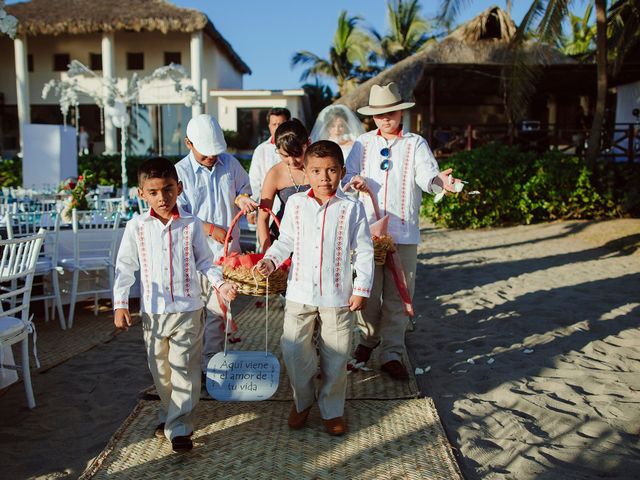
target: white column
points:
(22, 85)
(108, 72)
(196, 70)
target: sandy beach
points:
(529, 335)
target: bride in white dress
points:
(339, 124)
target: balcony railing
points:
(620, 142)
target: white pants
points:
(301, 360)
(174, 346)
(213, 324)
(383, 319)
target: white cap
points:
(205, 134)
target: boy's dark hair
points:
(279, 112)
(324, 149)
(158, 167)
(291, 137)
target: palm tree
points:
(348, 56)
(581, 43)
(551, 14)
(408, 31)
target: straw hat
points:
(383, 99)
(204, 132)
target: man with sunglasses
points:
(395, 166)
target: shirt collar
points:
(175, 213)
(196, 166)
(272, 140)
(399, 133)
(338, 195)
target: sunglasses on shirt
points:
(385, 164)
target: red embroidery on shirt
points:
(363, 162)
(405, 179)
(339, 252)
(186, 239)
(296, 242)
(144, 267)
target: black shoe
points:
(181, 444)
(159, 431)
(362, 353)
(396, 370)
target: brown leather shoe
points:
(335, 426)
(362, 353)
(297, 419)
(396, 370)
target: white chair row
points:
(17, 269)
(95, 236)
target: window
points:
(30, 63)
(95, 61)
(172, 57)
(135, 61)
(61, 62)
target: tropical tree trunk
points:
(593, 148)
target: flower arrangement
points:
(76, 192)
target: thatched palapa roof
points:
(58, 17)
(483, 40)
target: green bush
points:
(519, 187)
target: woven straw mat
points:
(392, 439)
(361, 384)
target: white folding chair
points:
(18, 266)
(22, 224)
(95, 235)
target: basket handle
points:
(374, 201)
(236, 219)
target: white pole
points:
(108, 73)
(196, 69)
(123, 168)
(22, 85)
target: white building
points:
(115, 38)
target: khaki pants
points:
(174, 346)
(383, 319)
(301, 360)
(213, 323)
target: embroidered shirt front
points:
(322, 239)
(412, 168)
(167, 257)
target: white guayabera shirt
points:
(168, 257)
(210, 194)
(325, 241)
(412, 168)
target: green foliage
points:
(523, 187)
(10, 172)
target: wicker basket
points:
(239, 269)
(381, 246)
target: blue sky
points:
(267, 33)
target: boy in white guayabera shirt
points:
(397, 166)
(215, 189)
(168, 247)
(327, 232)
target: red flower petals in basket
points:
(238, 268)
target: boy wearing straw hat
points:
(396, 166)
(216, 188)
(167, 246)
(321, 227)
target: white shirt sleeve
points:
(282, 248)
(362, 248)
(203, 257)
(256, 171)
(127, 263)
(426, 166)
